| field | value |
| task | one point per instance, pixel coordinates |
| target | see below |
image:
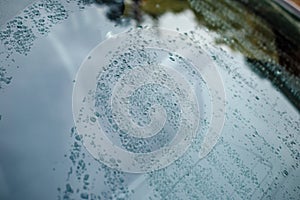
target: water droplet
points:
(93, 119)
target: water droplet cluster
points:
(4, 79)
(250, 161)
(19, 34)
(35, 21)
(141, 100)
(248, 33)
(142, 109)
(86, 176)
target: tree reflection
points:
(116, 8)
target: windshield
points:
(141, 99)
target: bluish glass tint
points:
(42, 156)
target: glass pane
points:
(180, 99)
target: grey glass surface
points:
(42, 157)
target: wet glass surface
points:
(255, 48)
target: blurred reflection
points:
(116, 8)
(137, 11)
(261, 30)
